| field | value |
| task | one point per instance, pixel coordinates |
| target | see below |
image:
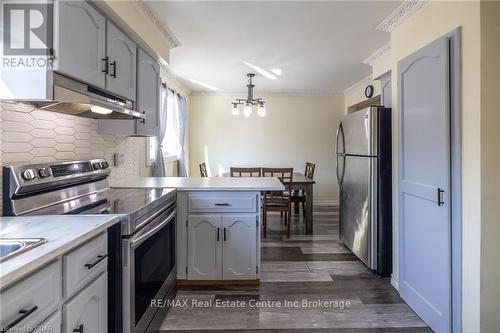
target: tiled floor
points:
(325, 287)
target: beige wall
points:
(296, 130)
(490, 167)
(357, 95)
(433, 20)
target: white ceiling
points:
(319, 46)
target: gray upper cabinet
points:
(80, 42)
(121, 52)
(148, 93)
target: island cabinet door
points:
(204, 247)
(239, 254)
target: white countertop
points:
(205, 184)
(62, 233)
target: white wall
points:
(295, 130)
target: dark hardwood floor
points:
(326, 288)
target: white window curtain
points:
(159, 164)
(173, 124)
(182, 133)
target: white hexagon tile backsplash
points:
(29, 135)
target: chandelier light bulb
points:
(236, 111)
(261, 111)
(247, 110)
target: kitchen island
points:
(218, 226)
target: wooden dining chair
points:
(203, 170)
(278, 201)
(245, 172)
(300, 197)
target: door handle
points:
(23, 314)
(218, 234)
(440, 196)
(225, 235)
(106, 65)
(100, 258)
(225, 204)
(113, 74)
(79, 329)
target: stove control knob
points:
(43, 172)
(29, 174)
(104, 165)
(96, 165)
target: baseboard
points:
(325, 202)
(395, 282)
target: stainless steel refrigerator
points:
(364, 175)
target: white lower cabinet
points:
(36, 303)
(88, 310)
(222, 247)
(204, 247)
(51, 324)
(239, 253)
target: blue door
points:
(424, 183)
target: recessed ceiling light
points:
(277, 71)
(206, 85)
(260, 70)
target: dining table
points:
(300, 183)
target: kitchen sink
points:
(11, 247)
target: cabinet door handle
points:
(106, 65)
(218, 234)
(113, 64)
(100, 258)
(225, 204)
(440, 197)
(79, 329)
(225, 235)
(23, 314)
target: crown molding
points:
(264, 94)
(377, 55)
(367, 80)
(164, 30)
(403, 12)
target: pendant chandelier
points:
(249, 102)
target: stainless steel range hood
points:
(79, 99)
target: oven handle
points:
(134, 242)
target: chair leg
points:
(288, 227)
(286, 219)
(281, 214)
(264, 223)
(304, 209)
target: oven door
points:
(148, 270)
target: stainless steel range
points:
(141, 248)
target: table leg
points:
(295, 204)
(309, 209)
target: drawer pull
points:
(79, 329)
(23, 314)
(222, 204)
(100, 258)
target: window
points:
(171, 145)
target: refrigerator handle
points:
(340, 178)
(340, 131)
